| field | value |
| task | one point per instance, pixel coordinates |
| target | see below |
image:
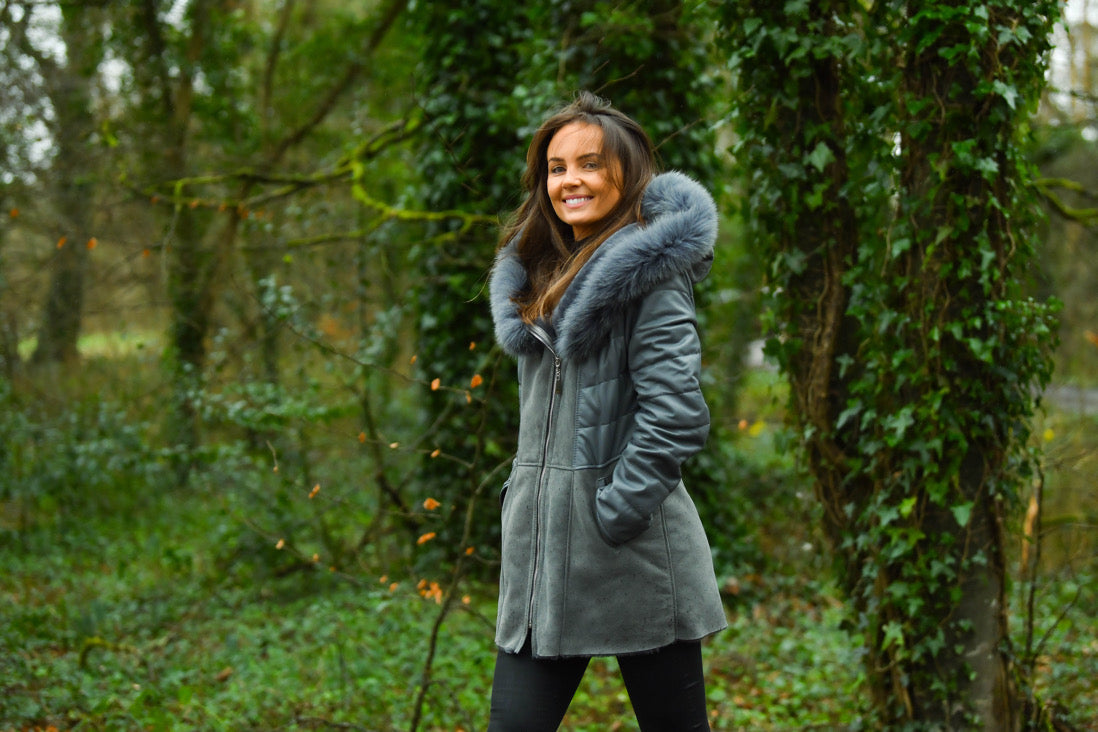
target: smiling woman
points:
(603, 552)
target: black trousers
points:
(666, 688)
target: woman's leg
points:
(532, 694)
(667, 688)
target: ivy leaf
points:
(851, 411)
(988, 166)
(1007, 91)
(962, 513)
(821, 156)
(898, 424)
(944, 232)
(893, 635)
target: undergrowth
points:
(128, 603)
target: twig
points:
(451, 593)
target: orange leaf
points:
(316, 557)
(426, 538)
(468, 398)
(469, 551)
(194, 203)
(314, 491)
(362, 437)
(61, 241)
(472, 345)
(281, 543)
(476, 381)
(1092, 337)
(436, 384)
(431, 504)
(412, 361)
(436, 452)
(93, 243)
(14, 213)
(145, 252)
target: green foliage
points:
(58, 467)
(888, 191)
(470, 161)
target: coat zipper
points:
(547, 341)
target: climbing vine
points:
(883, 146)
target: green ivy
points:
(883, 149)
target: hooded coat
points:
(603, 552)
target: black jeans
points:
(666, 688)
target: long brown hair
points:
(546, 246)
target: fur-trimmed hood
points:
(678, 236)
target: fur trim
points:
(678, 238)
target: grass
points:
(109, 344)
(129, 622)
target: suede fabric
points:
(603, 550)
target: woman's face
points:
(581, 182)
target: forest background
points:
(254, 422)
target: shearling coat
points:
(603, 551)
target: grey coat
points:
(603, 551)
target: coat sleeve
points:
(672, 419)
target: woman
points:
(603, 551)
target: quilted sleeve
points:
(672, 419)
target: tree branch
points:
(324, 107)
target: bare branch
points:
(324, 107)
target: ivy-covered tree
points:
(469, 161)
(883, 150)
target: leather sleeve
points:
(672, 419)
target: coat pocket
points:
(600, 485)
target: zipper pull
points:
(557, 385)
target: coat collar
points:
(677, 238)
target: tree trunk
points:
(912, 360)
(949, 215)
(70, 92)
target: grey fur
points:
(678, 236)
